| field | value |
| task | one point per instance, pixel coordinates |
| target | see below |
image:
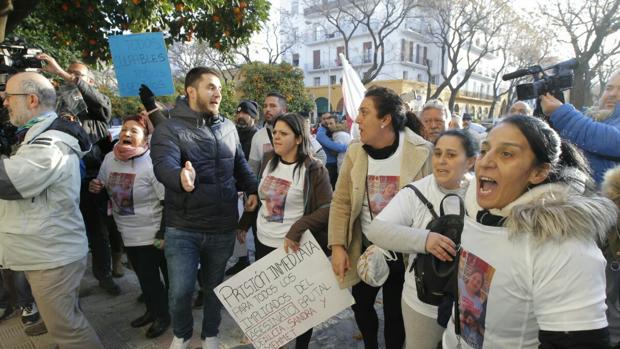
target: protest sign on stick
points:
(282, 295)
(141, 59)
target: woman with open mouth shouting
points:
(137, 206)
(401, 227)
(530, 272)
(390, 155)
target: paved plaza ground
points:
(111, 316)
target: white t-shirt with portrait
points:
(383, 182)
(512, 288)
(408, 210)
(136, 197)
(282, 202)
(261, 144)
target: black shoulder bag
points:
(433, 276)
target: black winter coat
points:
(211, 144)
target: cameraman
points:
(95, 121)
(597, 133)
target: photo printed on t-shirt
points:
(274, 191)
(121, 187)
(474, 280)
(381, 189)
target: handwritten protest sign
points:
(282, 295)
(141, 59)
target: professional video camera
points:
(561, 79)
(15, 56)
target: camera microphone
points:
(516, 74)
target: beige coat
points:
(345, 213)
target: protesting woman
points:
(136, 195)
(529, 246)
(400, 227)
(390, 154)
(294, 193)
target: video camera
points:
(560, 80)
(15, 56)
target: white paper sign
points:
(281, 296)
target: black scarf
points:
(383, 153)
(485, 217)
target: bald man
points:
(95, 121)
(520, 108)
(42, 231)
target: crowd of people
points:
(535, 265)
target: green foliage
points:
(259, 79)
(229, 100)
(82, 26)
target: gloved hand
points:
(147, 97)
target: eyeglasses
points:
(6, 95)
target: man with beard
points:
(262, 142)
(200, 202)
(95, 121)
(245, 121)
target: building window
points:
(296, 59)
(367, 52)
(317, 81)
(316, 59)
(405, 75)
(403, 43)
(417, 54)
(419, 77)
(411, 51)
(424, 52)
(339, 50)
(294, 7)
(318, 33)
(332, 79)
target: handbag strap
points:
(422, 198)
(461, 205)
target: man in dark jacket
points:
(95, 121)
(245, 121)
(197, 156)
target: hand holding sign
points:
(282, 295)
(141, 59)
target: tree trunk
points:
(452, 100)
(21, 10)
(492, 108)
(580, 93)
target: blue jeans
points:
(184, 250)
(22, 288)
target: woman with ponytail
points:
(390, 155)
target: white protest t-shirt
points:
(282, 202)
(261, 144)
(135, 194)
(383, 182)
(509, 289)
(408, 210)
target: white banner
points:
(281, 296)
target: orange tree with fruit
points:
(79, 28)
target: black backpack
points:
(433, 277)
